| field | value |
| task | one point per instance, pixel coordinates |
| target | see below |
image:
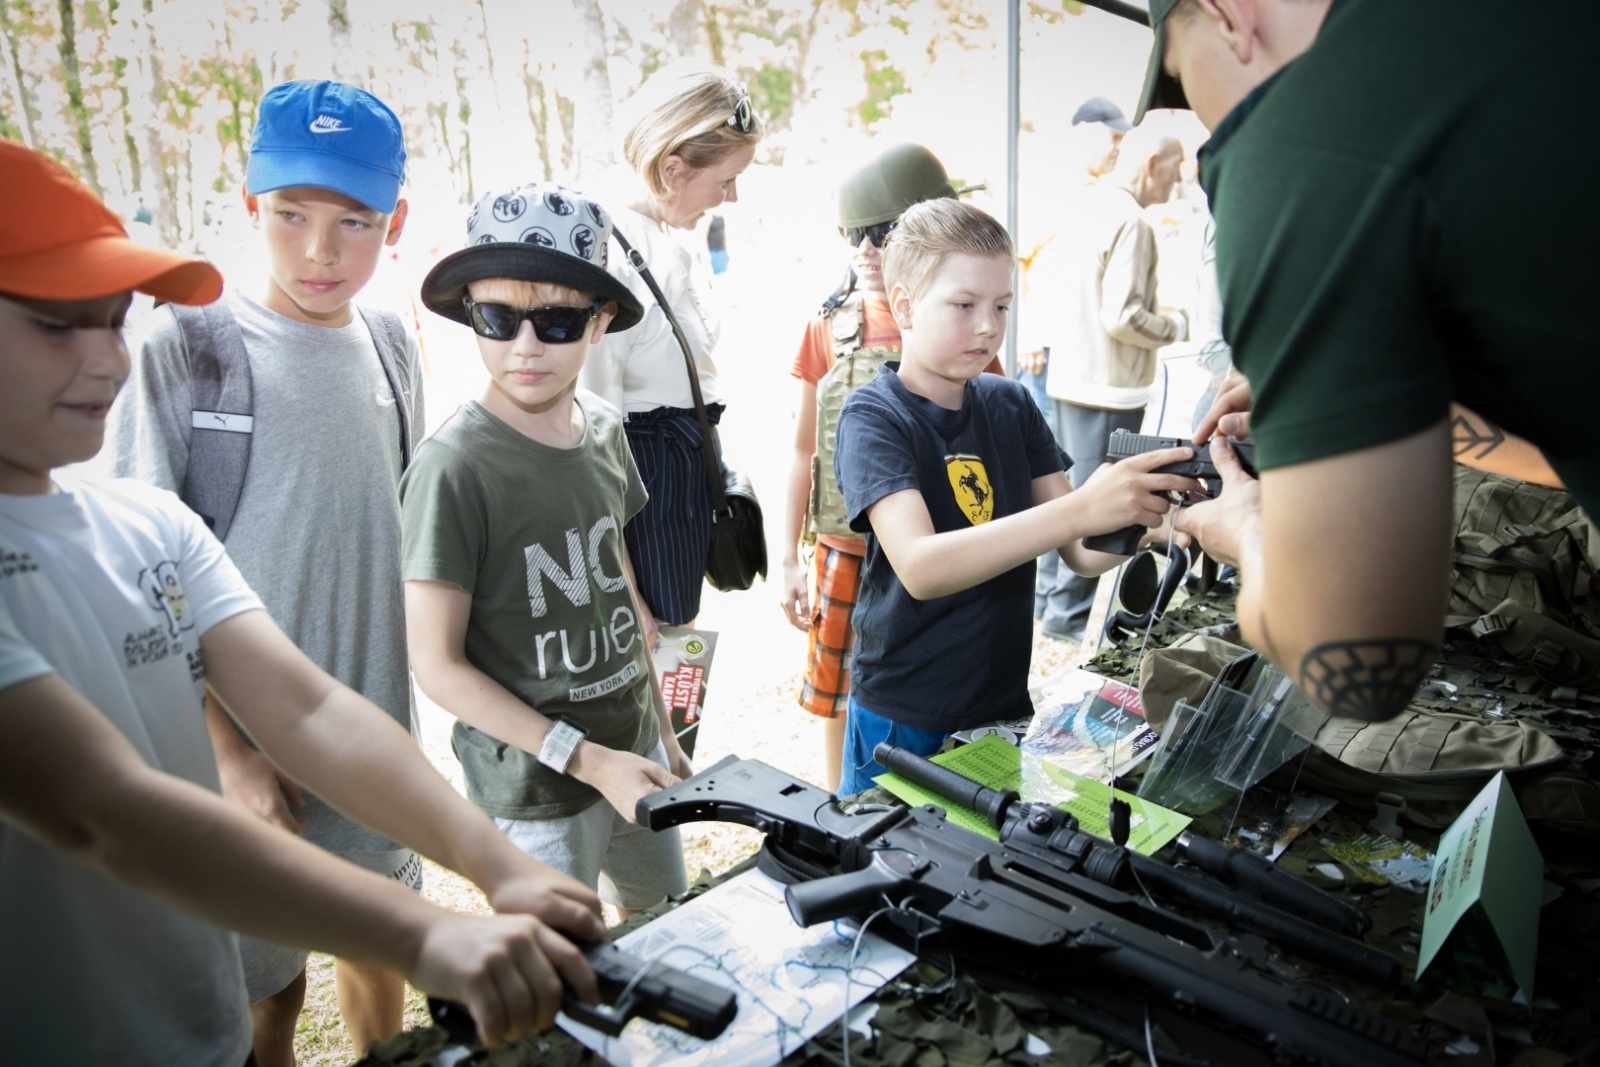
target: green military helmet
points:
(896, 178)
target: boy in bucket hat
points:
(303, 488)
(520, 599)
(121, 869)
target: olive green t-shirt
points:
(1404, 218)
(534, 533)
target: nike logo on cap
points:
(328, 124)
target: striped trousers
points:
(668, 540)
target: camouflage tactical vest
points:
(854, 366)
(1525, 574)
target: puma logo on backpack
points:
(854, 366)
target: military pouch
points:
(1525, 559)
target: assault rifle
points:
(1043, 912)
(1124, 445)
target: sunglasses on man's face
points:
(556, 324)
(876, 234)
(742, 118)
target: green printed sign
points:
(1480, 928)
(995, 763)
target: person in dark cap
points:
(1378, 261)
(1097, 109)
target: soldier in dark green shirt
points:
(1399, 197)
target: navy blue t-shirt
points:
(959, 660)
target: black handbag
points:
(738, 550)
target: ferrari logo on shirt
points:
(971, 484)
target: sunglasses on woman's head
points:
(555, 324)
(878, 233)
(742, 119)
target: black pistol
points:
(1124, 444)
(660, 994)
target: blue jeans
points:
(866, 730)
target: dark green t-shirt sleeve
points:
(1325, 264)
(443, 520)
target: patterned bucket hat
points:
(538, 232)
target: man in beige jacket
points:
(1096, 311)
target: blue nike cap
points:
(329, 135)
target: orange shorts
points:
(830, 647)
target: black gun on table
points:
(1043, 912)
(629, 988)
(1124, 445)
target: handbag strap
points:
(708, 447)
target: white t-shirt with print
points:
(110, 585)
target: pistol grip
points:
(841, 896)
(1122, 543)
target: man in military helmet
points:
(842, 350)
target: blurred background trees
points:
(152, 102)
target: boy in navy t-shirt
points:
(958, 485)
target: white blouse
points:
(642, 369)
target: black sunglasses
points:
(878, 233)
(742, 118)
(556, 324)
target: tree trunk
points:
(19, 85)
(344, 67)
(538, 110)
(596, 151)
(683, 27)
(80, 114)
(144, 105)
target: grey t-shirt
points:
(534, 533)
(317, 530)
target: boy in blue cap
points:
(286, 421)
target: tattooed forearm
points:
(1371, 680)
(1467, 434)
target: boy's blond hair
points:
(524, 293)
(934, 229)
(683, 110)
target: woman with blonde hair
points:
(689, 132)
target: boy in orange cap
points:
(118, 610)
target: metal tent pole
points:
(1013, 130)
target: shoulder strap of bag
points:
(389, 337)
(222, 416)
(708, 447)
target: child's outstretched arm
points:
(436, 636)
(931, 564)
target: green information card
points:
(997, 764)
(1480, 929)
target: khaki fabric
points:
(1184, 671)
(1526, 558)
(1436, 760)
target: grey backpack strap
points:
(389, 337)
(222, 418)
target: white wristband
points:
(559, 745)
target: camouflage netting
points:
(928, 1019)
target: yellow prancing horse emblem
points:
(971, 484)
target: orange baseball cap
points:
(59, 242)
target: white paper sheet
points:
(790, 981)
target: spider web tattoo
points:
(1371, 680)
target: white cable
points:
(1149, 1038)
(844, 1020)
